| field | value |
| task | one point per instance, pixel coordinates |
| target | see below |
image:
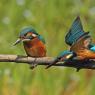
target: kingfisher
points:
(80, 42)
(34, 43)
(76, 32)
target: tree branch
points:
(90, 64)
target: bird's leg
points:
(33, 64)
(77, 69)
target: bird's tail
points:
(54, 62)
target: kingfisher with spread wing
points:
(80, 42)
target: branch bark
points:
(90, 64)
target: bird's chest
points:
(35, 49)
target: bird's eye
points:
(25, 34)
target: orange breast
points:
(35, 48)
(86, 54)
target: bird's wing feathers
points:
(75, 32)
(82, 44)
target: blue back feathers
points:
(92, 47)
(75, 32)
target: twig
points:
(90, 64)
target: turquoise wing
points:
(75, 32)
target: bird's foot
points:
(33, 64)
(78, 69)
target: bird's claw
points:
(77, 70)
(33, 65)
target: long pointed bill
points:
(17, 41)
(25, 40)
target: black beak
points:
(17, 41)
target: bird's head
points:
(26, 34)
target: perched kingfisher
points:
(34, 44)
(81, 46)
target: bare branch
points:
(90, 64)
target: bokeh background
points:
(52, 19)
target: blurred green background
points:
(52, 19)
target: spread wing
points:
(75, 32)
(82, 44)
